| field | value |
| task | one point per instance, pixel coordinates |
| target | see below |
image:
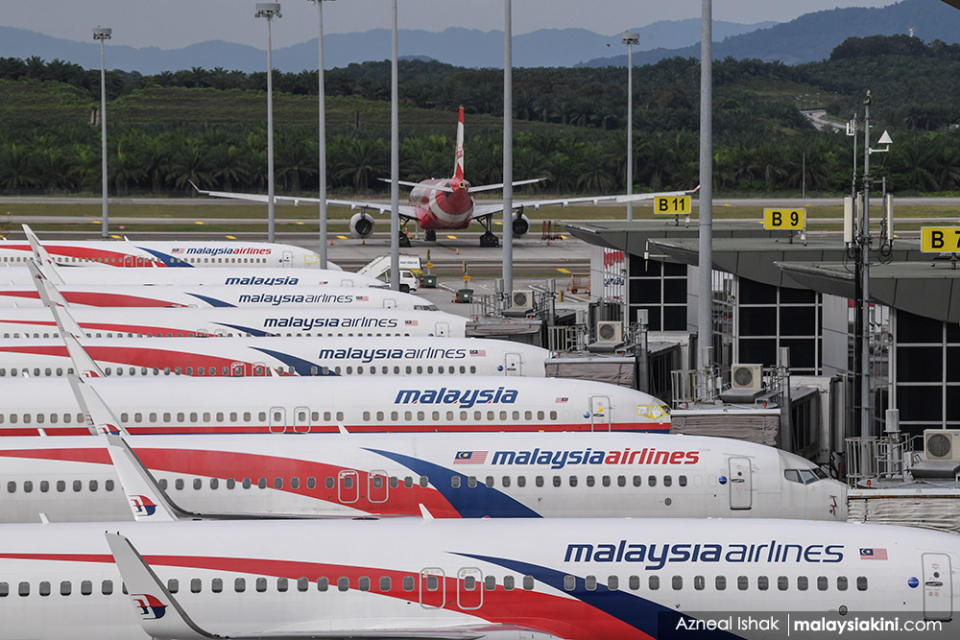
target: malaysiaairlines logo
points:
(149, 605)
(142, 505)
(464, 398)
(656, 556)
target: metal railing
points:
(567, 338)
(887, 457)
(691, 386)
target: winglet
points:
(46, 264)
(161, 616)
(84, 365)
(49, 294)
(147, 500)
(99, 417)
(342, 429)
(424, 512)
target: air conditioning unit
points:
(609, 332)
(746, 377)
(523, 299)
(941, 444)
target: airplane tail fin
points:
(147, 500)
(161, 616)
(458, 166)
(99, 416)
(46, 264)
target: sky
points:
(171, 24)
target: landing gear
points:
(431, 235)
(488, 239)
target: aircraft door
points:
(512, 364)
(278, 420)
(442, 329)
(347, 490)
(469, 588)
(432, 588)
(599, 413)
(377, 489)
(937, 587)
(389, 303)
(286, 259)
(741, 484)
(301, 420)
(346, 282)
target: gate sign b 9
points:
(785, 219)
(672, 205)
(940, 239)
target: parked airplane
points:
(207, 296)
(95, 322)
(222, 276)
(447, 204)
(264, 356)
(494, 579)
(514, 475)
(320, 404)
(155, 253)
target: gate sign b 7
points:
(784, 219)
(940, 239)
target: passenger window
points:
(323, 583)
(408, 583)
(861, 583)
(569, 583)
(455, 482)
(44, 588)
(343, 584)
(23, 589)
(822, 583)
(195, 585)
(261, 585)
(65, 588)
(634, 583)
(282, 585)
(539, 481)
(802, 583)
(682, 481)
(557, 481)
(699, 582)
(841, 583)
(86, 588)
(573, 481)
(216, 585)
(240, 585)
(652, 481)
(613, 583)
(763, 583)
(743, 583)
(653, 582)
(528, 583)
(385, 584)
(106, 587)
(677, 583)
(521, 481)
(720, 583)
(667, 481)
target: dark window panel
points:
(675, 291)
(759, 351)
(758, 321)
(913, 328)
(919, 403)
(653, 317)
(645, 291)
(752, 292)
(798, 321)
(801, 352)
(674, 318)
(645, 268)
(953, 364)
(797, 296)
(673, 269)
(919, 364)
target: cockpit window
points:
(426, 307)
(804, 476)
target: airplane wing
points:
(164, 618)
(406, 211)
(99, 417)
(146, 500)
(47, 266)
(483, 210)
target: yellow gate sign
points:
(785, 219)
(940, 239)
(672, 205)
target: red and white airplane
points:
(155, 253)
(318, 404)
(265, 356)
(487, 579)
(447, 203)
(514, 475)
(153, 322)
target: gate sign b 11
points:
(940, 239)
(672, 205)
(784, 219)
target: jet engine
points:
(521, 224)
(361, 225)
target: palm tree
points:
(190, 163)
(17, 167)
(363, 161)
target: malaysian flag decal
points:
(470, 457)
(875, 553)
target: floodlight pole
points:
(321, 137)
(865, 423)
(100, 34)
(269, 10)
(507, 154)
(394, 159)
(630, 39)
(705, 282)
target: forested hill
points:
(207, 125)
(813, 36)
